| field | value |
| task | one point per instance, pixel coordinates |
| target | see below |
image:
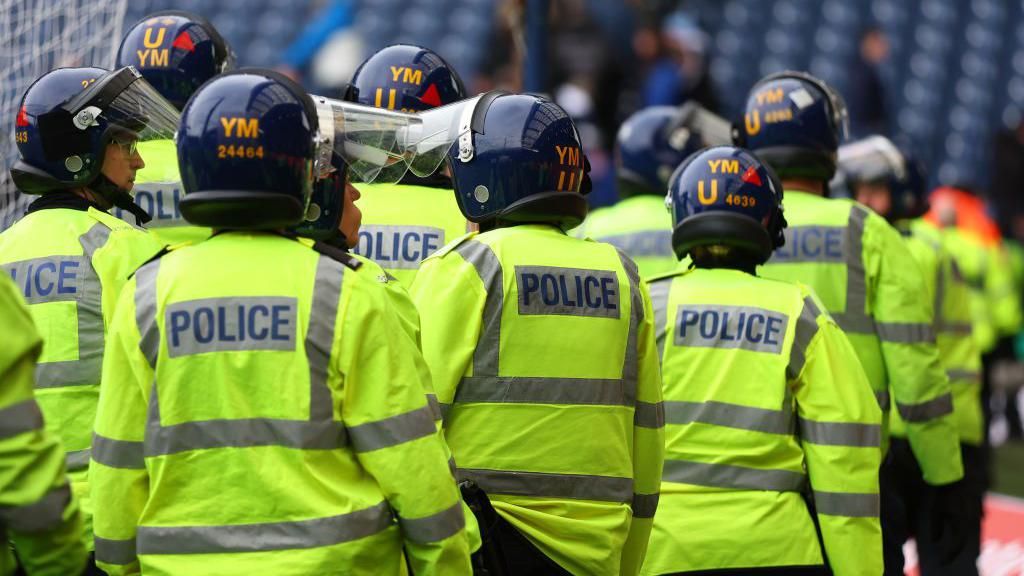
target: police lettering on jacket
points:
(745, 327)
(399, 246)
(812, 244)
(160, 200)
(567, 291)
(49, 279)
(236, 323)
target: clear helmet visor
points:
(439, 129)
(872, 159)
(713, 129)
(129, 108)
(372, 141)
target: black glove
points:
(950, 520)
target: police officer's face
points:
(351, 217)
(120, 163)
(875, 195)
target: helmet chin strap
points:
(119, 197)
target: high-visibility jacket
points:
(542, 350)
(70, 266)
(158, 190)
(639, 226)
(403, 224)
(764, 400)
(38, 512)
(958, 351)
(860, 268)
(272, 385)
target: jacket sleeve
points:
(450, 297)
(37, 508)
(839, 425)
(117, 472)
(904, 319)
(648, 440)
(1002, 292)
(392, 430)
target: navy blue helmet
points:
(407, 78)
(653, 142)
(176, 52)
(725, 196)
(794, 122)
(326, 204)
(68, 118)
(246, 150)
(518, 160)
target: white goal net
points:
(37, 36)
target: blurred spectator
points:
(678, 69)
(326, 48)
(1007, 175)
(866, 103)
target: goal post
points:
(37, 36)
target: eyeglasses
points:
(129, 147)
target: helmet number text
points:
(239, 151)
(740, 200)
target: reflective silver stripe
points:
(631, 363)
(974, 376)
(846, 504)
(76, 460)
(145, 311)
(445, 409)
(728, 476)
(43, 515)
(645, 505)
(451, 466)
(19, 418)
(300, 534)
(806, 329)
(536, 390)
(855, 318)
(546, 485)
(957, 328)
(391, 431)
(940, 293)
(904, 332)
(243, 433)
(117, 453)
(435, 527)
(89, 310)
(480, 255)
(730, 416)
(648, 415)
(659, 301)
(924, 411)
(883, 400)
(118, 552)
(841, 433)
(320, 335)
(645, 243)
(435, 407)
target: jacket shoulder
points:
(447, 248)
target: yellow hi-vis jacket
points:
(262, 417)
(38, 512)
(958, 350)
(542, 349)
(639, 226)
(70, 266)
(860, 268)
(764, 399)
(158, 190)
(403, 224)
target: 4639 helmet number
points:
(230, 151)
(742, 201)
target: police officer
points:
(542, 349)
(251, 371)
(406, 222)
(858, 265)
(758, 382)
(648, 148)
(881, 177)
(176, 52)
(38, 512)
(78, 130)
